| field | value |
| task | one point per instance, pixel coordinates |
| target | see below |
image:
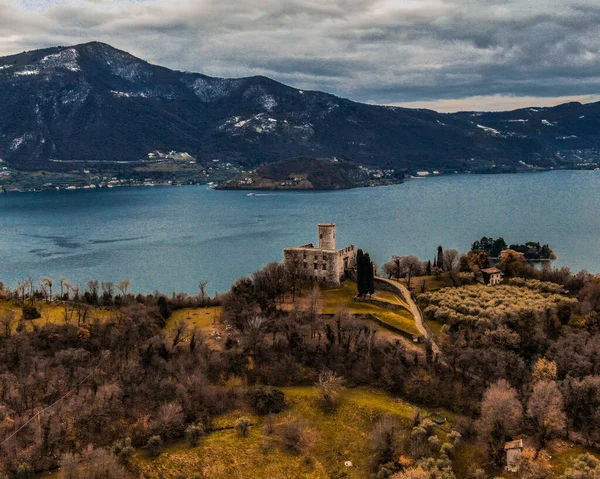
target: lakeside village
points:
(159, 169)
(473, 366)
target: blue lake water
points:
(168, 238)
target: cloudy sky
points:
(443, 54)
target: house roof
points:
(491, 270)
(516, 444)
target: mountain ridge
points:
(93, 103)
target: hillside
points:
(303, 174)
(88, 104)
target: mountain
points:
(94, 103)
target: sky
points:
(447, 55)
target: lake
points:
(168, 238)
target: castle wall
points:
(324, 264)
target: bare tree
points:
(410, 265)
(501, 414)
(450, 259)
(46, 284)
(202, 284)
(314, 308)
(8, 318)
(330, 386)
(63, 283)
(545, 410)
(123, 286)
(93, 289)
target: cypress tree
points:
(360, 272)
(370, 275)
(440, 257)
(428, 269)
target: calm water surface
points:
(169, 238)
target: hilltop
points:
(66, 108)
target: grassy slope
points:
(336, 438)
(54, 314)
(333, 299)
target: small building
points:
(324, 264)
(513, 455)
(492, 276)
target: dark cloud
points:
(383, 51)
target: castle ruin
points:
(324, 264)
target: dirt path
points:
(415, 311)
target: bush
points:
(242, 426)
(294, 436)
(266, 399)
(194, 433)
(123, 450)
(31, 312)
(25, 471)
(154, 446)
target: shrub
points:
(31, 312)
(154, 446)
(266, 399)
(294, 435)
(242, 426)
(330, 386)
(25, 471)
(194, 433)
(123, 450)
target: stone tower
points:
(327, 236)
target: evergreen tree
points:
(370, 274)
(360, 273)
(440, 257)
(428, 268)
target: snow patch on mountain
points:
(17, 142)
(260, 97)
(28, 72)
(123, 94)
(66, 59)
(489, 130)
(209, 90)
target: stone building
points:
(324, 264)
(513, 449)
(492, 276)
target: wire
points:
(56, 402)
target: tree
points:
(93, 290)
(410, 265)
(543, 370)
(440, 257)
(330, 386)
(498, 246)
(123, 286)
(545, 410)
(501, 414)
(202, 284)
(266, 399)
(450, 259)
(46, 284)
(163, 308)
(7, 321)
(365, 274)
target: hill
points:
(93, 104)
(303, 174)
